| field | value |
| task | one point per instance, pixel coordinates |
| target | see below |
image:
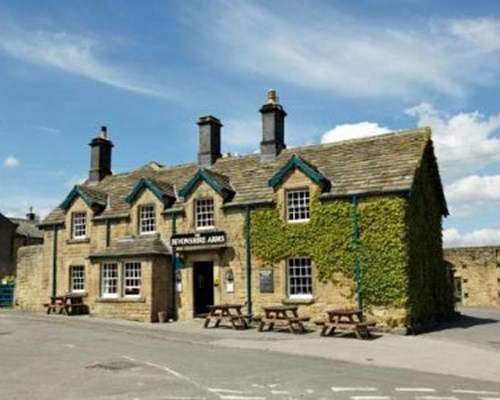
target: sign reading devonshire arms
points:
(198, 239)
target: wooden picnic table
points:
(229, 313)
(69, 304)
(282, 315)
(346, 319)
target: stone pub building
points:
(332, 225)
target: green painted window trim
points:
(202, 175)
(145, 183)
(76, 192)
(295, 162)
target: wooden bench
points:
(363, 329)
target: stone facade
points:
(476, 273)
(99, 243)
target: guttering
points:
(54, 262)
(335, 196)
(115, 216)
(248, 263)
(357, 261)
(246, 204)
(173, 268)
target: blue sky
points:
(149, 69)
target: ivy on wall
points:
(399, 247)
(328, 239)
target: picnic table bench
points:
(229, 313)
(69, 304)
(347, 320)
(281, 315)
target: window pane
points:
(204, 213)
(147, 222)
(109, 280)
(132, 279)
(77, 278)
(79, 225)
(299, 276)
(297, 204)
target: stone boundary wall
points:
(478, 269)
(31, 289)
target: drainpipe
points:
(54, 263)
(357, 261)
(248, 260)
(173, 263)
(108, 232)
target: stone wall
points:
(31, 289)
(478, 270)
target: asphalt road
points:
(63, 358)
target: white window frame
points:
(79, 225)
(299, 272)
(298, 201)
(132, 278)
(204, 218)
(147, 219)
(77, 278)
(109, 280)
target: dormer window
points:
(79, 225)
(298, 205)
(147, 220)
(204, 213)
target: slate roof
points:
(27, 228)
(379, 164)
(133, 246)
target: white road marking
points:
(310, 391)
(69, 345)
(490, 398)
(169, 370)
(217, 390)
(129, 358)
(436, 398)
(271, 385)
(256, 385)
(467, 391)
(353, 389)
(408, 389)
(370, 397)
(236, 397)
(280, 392)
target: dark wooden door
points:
(203, 286)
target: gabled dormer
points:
(218, 182)
(79, 206)
(147, 200)
(204, 195)
(294, 184)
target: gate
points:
(6, 294)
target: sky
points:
(148, 70)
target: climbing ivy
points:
(328, 238)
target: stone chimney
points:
(100, 157)
(273, 127)
(31, 216)
(209, 150)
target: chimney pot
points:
(273, 127)
(100, 156)
(209, 131)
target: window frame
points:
(297, 209)
(75, 228)
(104, 279)
(308, 277)
(134, 278)
(195, 212)
(73, 279)
(140, 219)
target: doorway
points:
(203, 286)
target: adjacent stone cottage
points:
(16, 233)
(343, 224)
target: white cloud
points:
(475, 188)
(18, 205)
(322, 49)
(482, 237)
(49, 130)
(11, 162)
(465, 142)
(353, 131)
(75, 55)
(74, 180)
